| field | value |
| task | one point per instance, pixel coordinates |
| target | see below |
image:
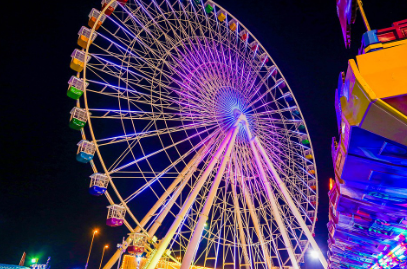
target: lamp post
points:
(90, 248)
(103, 253)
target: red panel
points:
(398, 102)
(398, 31)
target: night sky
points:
(45, 208)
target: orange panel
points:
(385, 71)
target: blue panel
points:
(84, 157)
(96, 190)
(369, 38)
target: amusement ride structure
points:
(368, 199)
(201, 148)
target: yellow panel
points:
(385, 70)
(83, 41)
(129, 262)
(233, 26)
(373, 46)
(77, 65)
(221, 17)
(394, 43)
(359, 96)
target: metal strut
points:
(256, 222)
(239, 221)
(184, 175)
(271, 197)
(290, 202)
(203, 217)
(187, 205)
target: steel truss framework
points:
(199, 135)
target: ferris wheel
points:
(201, 148)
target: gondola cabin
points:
(312, 184)
(123, 2)
(84, 37)
(281, 82)
(76, 87)
(254, 45)
(308, 154)
(209, 6)
(137, 245)
(221, 15)
(86, 151)
(288, 97)
(264, 58)
(300, 126)
(98, 184)
(115, 215)
(311, 169)
(313, 200)
(233, 25)
(93, 15)
(109, 10)
(304, 139)
(78, 60)
(272, 70)
(78, 119)
(244, 35)
(311, 215)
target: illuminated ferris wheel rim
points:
(95, 141)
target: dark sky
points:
(45, 209)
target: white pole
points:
(203, 217)
(191, 166)
(153, 261)
(239, 221)
(291, 203)
(256, 222)
(273, 202)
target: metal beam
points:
(184, 175)
(153, 261)
(290, 202)
(203, 216)
(272, 199)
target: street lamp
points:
(90, 248)
(103, 253)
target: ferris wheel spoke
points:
(167, 239)
(255, 220)
(100, 113)
(171, 166)
(271, 198)
(139, 97)
(181, 179)
(147, 134)
(236, 206)
(290, 202)
(157, 152)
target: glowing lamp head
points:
(107, 246)
(95, 231)
(34, 260)
(314, 254)
(331, 183)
